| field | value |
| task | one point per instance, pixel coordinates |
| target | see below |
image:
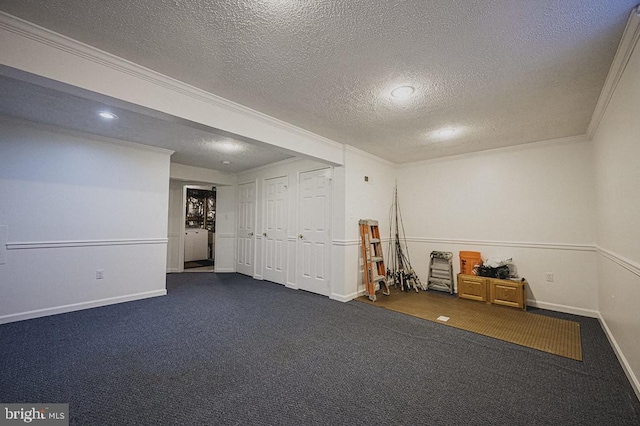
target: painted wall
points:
(364, 200)
(225, 229)
(74, 205)
(617, 155)
(534, 203)
(175, 256)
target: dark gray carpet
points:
(227, 349)
(198, 263)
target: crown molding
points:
(358, 151)
(627, 44)
(68, 45)
(509, 148)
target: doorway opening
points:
(199, 230)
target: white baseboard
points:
(173, 270)
(79, 306)
(635, 384)
(346, 298)
(563, 308)
(224, 270)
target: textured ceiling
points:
(192, 145)
(500, 72)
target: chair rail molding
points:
(83, 243)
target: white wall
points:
(364, 200)
(73, 205)
(175, 256)
(534, 203)
(225, 229)
(617, 165)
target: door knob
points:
(300, 236)
(251, 234)
(264, 234)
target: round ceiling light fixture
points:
(446, 133)
(107, 115)
(403, 92)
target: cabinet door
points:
(507, 293)
(472, 287)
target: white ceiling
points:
(193, 144)
(500, 72)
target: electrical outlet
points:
(99, 274)
(550, 277)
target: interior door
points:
(245, 230)
(314, 238)
(275, 231)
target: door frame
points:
(183, 219)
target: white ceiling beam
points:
(37, 50)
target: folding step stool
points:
(440, 272)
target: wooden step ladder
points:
(374, 269)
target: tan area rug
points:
(552, 335)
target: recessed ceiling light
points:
(402, 92)
(107, 115)
(445, 133)
(226, 162)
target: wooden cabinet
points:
(472, 287)
(492, 290)
(507, 293)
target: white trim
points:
(344, 243)
(522, 244)
(83, 135)
(369, 156)
(627, 264)
(79, 306)
(563, 308)
(507, 148)
(626, 46)
(224, 270)
(83, 243)
(84, 51)
(343, 298)
(635, 383)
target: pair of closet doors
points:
(303, 253)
